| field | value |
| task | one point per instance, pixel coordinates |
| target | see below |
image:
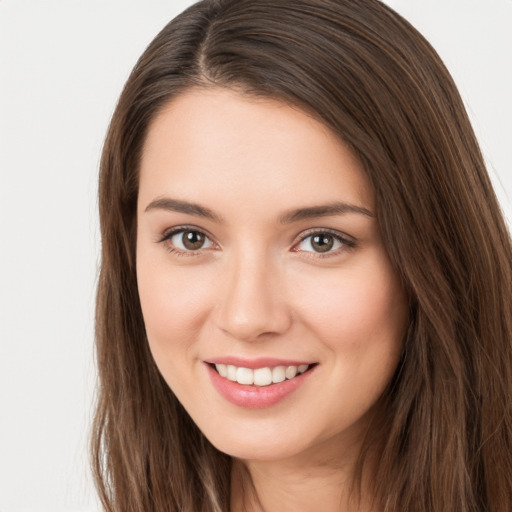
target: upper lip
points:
(259, 362)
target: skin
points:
(259, 288)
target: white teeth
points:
(290, 372)
(244, 376)
(231, 372)
(222, 369)
(278, 374)
(260, 376)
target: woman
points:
(304, 299)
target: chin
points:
(268, 441)
(256, 450)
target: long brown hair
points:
(446, 441)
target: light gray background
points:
(62, 66)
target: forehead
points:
(218, 143)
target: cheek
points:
(173, 305)
(360, 310)
(361, 319)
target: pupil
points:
(322, 243)
(193, 240)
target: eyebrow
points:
(175, 205)
(337, 208)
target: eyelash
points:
(347, 243)
(182, 229)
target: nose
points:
(252, 305)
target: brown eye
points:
(190, 240)
(193, 240)
(321, 242)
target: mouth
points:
(258, 383)
(260, 377)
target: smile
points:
(265, 384)
(260, 376)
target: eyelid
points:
(167, 233)
(348, 241)
(170, 232)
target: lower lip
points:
(256, 397)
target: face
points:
(271, 307)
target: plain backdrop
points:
(62, 67)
